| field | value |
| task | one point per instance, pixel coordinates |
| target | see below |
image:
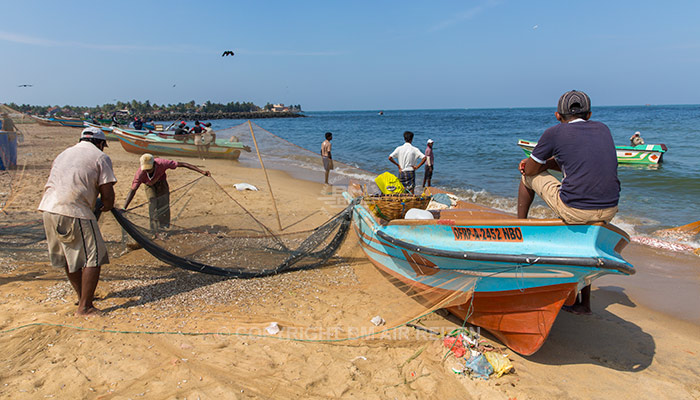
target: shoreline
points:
(605, 354)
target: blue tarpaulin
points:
(8, 150)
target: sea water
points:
(476, 153)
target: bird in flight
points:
(25, 85)
(227, 53)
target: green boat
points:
(646, 154)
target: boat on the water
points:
(510, 276)
(641, 154)
(58, 121)
(140, 142)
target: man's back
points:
(74, 181)
(585, 151)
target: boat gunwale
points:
(528, 259)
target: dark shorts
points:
(428, 172)
(408, 180)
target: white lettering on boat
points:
(488, 234)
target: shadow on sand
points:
(602, 338)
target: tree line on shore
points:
(146, 109)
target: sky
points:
(357, 55)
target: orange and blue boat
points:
(509, 276)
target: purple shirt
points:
(160, 165)
(429, 154)
(585, 151)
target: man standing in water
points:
(152, 174)
(584, 152)
(78, 175)
(326, 155)
(430, 161)
(407, 156)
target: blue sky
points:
(360, 55)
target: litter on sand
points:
(245, 186)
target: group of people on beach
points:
(407, 157)
(201, 134)
(70, 208)
(588, 193)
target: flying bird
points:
(227, 53)
(535, 27)
(25, 85)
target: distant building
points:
(279, 108)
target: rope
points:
(104, 330)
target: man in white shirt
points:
(78, 175)
(407, 156)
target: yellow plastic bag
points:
(500, 363)
(389, 183)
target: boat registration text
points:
(488, 234)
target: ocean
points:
(476, 153)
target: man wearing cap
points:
(152, 174)
(636, 139)
(429, 162)
(407, 156)
(78, 175)
(584, 152)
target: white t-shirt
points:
(407, 156)
(74, 181)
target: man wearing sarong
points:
(152, 174)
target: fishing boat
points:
(140, 142)
(58, 121)
(641, 154)
(514, 274)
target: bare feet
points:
(89, 312)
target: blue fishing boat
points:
(58, 121)
(510, 276)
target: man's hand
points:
(521, 166)
(206, 173)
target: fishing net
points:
(224, 258)
(209, 228)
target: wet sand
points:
(170, 333)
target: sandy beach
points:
(169, 333)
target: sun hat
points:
(93, 132)
(430, 141)
(574, 102)
(146, 161)
(638, 133)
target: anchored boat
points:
(641, 154)
(139, 143)
(525, 269)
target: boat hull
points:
(645, 154)
(133, 142)
(508, 276)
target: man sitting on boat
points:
(407, 156)
(636, 139)
(584, 152)
(152, 174)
